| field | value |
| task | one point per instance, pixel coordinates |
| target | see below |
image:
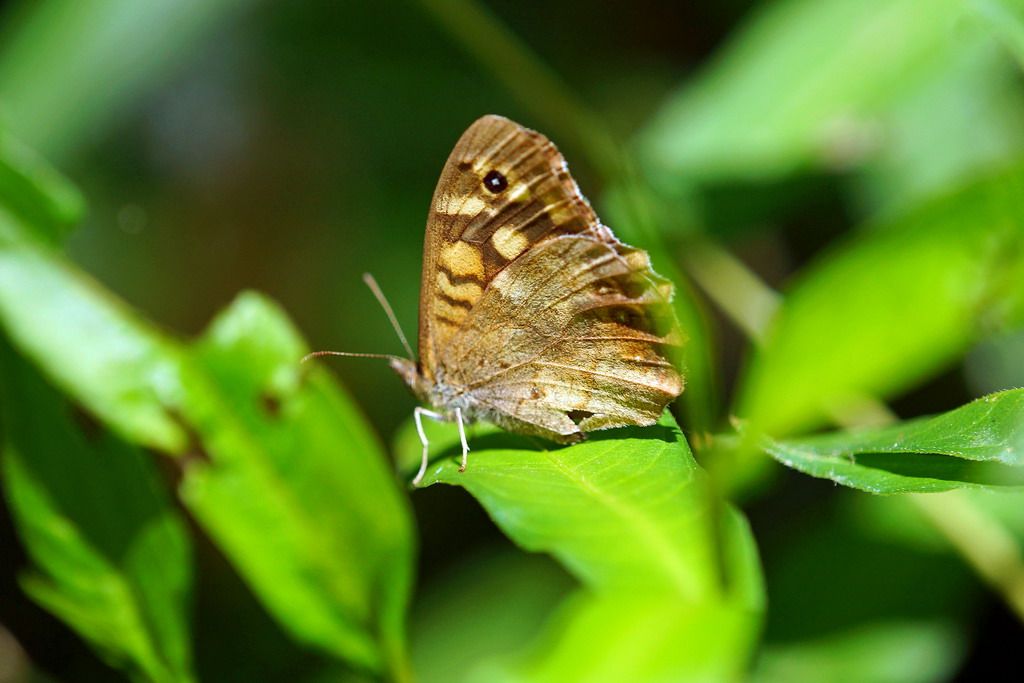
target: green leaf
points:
(628, 515)
(618, 513)
(110, 552)
(980, 444)
(119, 50)
(297, 490)
(890, 307)
(645, 636)
(626, 509)
(802, 83)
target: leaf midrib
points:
(653, 536)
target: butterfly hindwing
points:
(577, 348)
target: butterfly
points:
(533, 316)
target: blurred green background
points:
(288, 147)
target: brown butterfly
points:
(533, 316)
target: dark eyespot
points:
(495, 182)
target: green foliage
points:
(118, 48)
(767, 106)
(264, 449)
(111, 555)
(636, 497)
(917, 160)
(891, 306)
(917, 94)
(910, 112)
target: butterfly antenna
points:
(347, 354)
(383, 301)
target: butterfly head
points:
(410, 373)
(433, 391)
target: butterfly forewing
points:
(532, 314)
(474, 232)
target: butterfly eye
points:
(495, 182)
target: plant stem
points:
(732, 286)
(986, 546)
(537, 89)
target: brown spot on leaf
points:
(271, 404)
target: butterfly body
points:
(533, 316)
(438, 393)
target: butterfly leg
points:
(417, 416)
(462, 435)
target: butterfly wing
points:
(473, 232)
(529, 306)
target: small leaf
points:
(892, 306)
(980, 444)
(111, 554)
